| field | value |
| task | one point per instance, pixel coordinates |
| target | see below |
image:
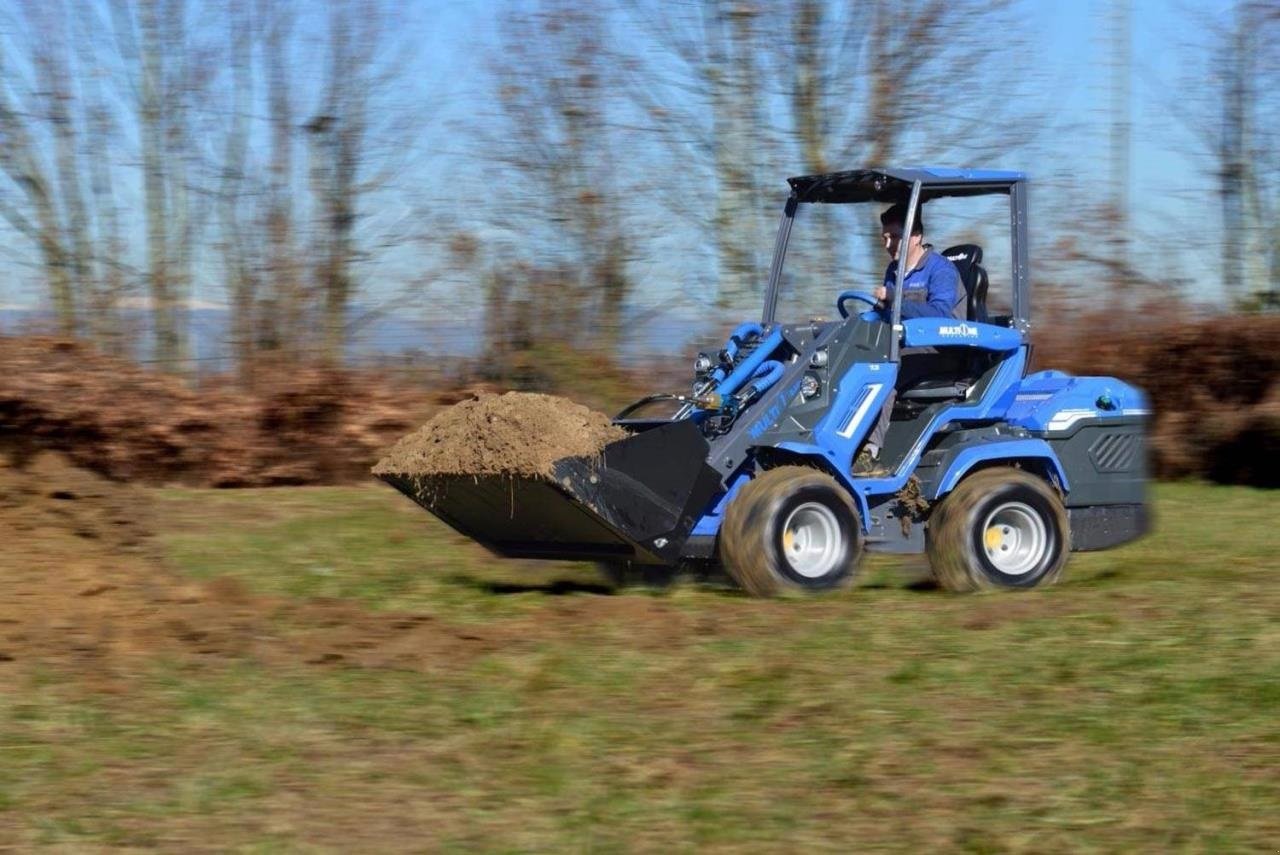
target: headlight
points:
(809, 386)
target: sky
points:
(1072, 49)
(1169, 190)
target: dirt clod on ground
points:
(84, 587)
(518, 433)
(43, 495)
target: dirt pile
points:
(43, 497)
(518, 433)
(303, 426)
(1214, 385)
(78, 573)
(83, 587)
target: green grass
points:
(368, 545)
(1133, 707)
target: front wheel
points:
(1000, 528)
(791, 529)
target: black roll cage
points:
(913, 186)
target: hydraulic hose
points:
(727, 406)
(746, 369)
(739, 335)
(734, 344)
(766, 375)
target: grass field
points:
(1135, 707)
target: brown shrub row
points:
(307, 426)
(1214, 384)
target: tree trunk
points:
(167, 336)
(282, 269)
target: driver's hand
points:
(880, 293)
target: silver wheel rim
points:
(811, 540)
(1015, 538)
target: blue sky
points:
(1173, 207)
(1171, 195)
(1070, 42)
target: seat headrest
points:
(967, 257)
(965, 253)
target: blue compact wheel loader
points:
(996, 473)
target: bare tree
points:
(337, 137)
(165, 71)
(818, 70)
(151, 120)
(355, 150)
(112, 271)
(49, 209)
(859, 84)
(704, 95)
(554, 134)
(257, 208)
(58, 147)
(288, 296)
(237, 242)
(292, 245)
(1246, 147)
(1228, 105)
(200, 104)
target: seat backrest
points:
(967, 257)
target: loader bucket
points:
(637, 501)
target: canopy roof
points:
(894, 185)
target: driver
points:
(931, 289)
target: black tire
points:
(1002, 512)
(764, 560)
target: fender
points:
(960, 460)
(841, 475)
(709, 524)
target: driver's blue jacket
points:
(932, 289)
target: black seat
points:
(936, 375)
(937, 390)
(967, 257)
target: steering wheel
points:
(854, 295)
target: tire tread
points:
(745, 531)
(948, 536)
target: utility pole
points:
(1121, 126)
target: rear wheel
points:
(791, 529)
(1000, 528)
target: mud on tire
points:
(1001, 528)
(791, 529)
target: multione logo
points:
(962, 330)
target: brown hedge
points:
(301, 426)
(1214, 384)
